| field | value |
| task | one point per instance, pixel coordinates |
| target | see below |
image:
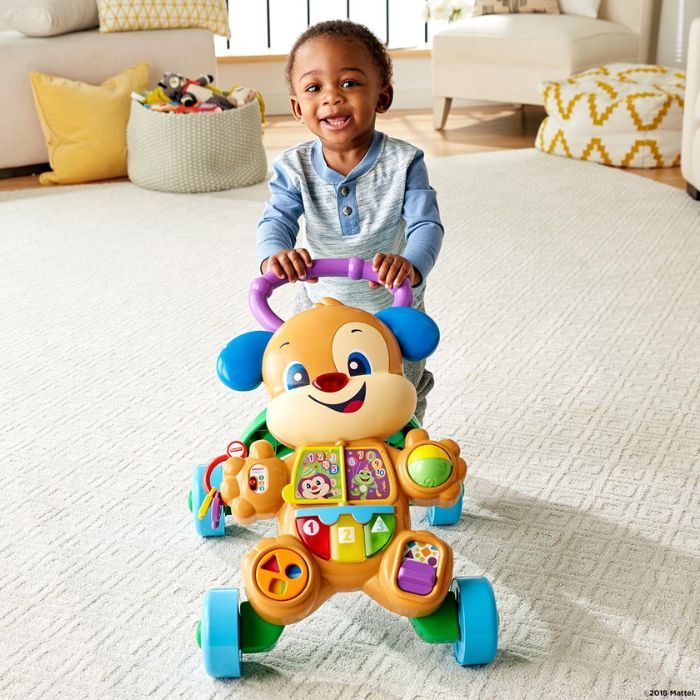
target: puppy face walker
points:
(341, 463)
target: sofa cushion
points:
(561, 42)
(130, 15)
(620, 114)
(85, 125)
(48, 17)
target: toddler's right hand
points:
(290, 264)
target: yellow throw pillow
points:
(85, 125)
(130, 15)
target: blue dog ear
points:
(417, 333)
(240, 363)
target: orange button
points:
(282, 574)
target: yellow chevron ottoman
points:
(622, 114)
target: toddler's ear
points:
(296, 108)
(240, 363)
(417, 333)
(386, 97)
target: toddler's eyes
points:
(348, 83)
(311, 88)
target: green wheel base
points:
(257, 634)
(441, 626)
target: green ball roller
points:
(429, 466)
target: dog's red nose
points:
(333, 381)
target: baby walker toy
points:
(338, 459)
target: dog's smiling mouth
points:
(350, 406)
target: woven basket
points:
(196, 152)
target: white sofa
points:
(690, 149)
(504, 58)
(88, 56)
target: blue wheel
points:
(219, 633)
(197, 495)
(446, 516)
(477, 617)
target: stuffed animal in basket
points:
(341, 494)
(191, 92)
(174, 87)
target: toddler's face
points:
(338, 91)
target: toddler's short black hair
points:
(348, 30)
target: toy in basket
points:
(342, 462)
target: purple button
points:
(416, 577)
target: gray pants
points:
(415, 372)
(423, 380)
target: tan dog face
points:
(335, 373)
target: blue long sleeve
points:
(279, 225)
(424, 230)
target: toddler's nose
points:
(331, 96)
(333, 381)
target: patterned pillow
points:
(130, 15)
(505, 7)
(626, 115)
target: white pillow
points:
(49, 17)
(585, 8)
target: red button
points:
(315, 535)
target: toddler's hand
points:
(290, 264)
(392, 270)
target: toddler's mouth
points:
(337, 122)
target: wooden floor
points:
(468, 130)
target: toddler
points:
(361, 192)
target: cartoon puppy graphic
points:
(337, 391)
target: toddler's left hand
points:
(392, 270)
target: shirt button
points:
(347, 211)
(345, 191)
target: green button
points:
(378, 532)
(430, 472)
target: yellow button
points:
(347, 540)
(429, 451)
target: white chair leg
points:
(441, 108)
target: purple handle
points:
(261, 288)
(216, 510)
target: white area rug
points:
(568, 296)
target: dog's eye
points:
(296, 376)
(358, 364)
